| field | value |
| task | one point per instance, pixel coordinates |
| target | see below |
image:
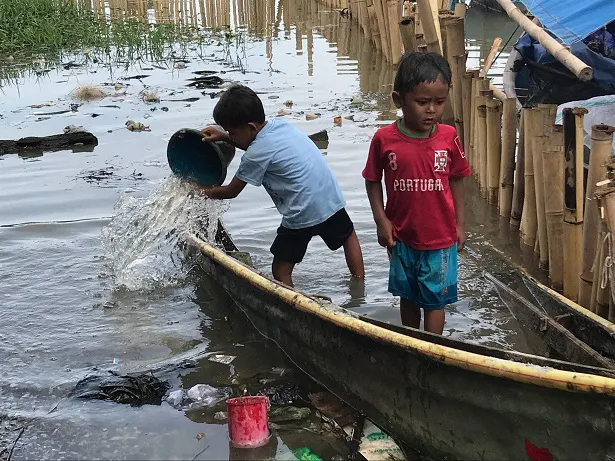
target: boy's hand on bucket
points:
(212, 133)
(461, 238)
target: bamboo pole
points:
(600, 293)
(384, 39)
(573, 199)
(581, 70)
(364, 18)
(516, 207)
(507, 164)
(494, 148)
(408, 34)
(491, 56)
(466, 86)
(460, 10)
(430, 25)
(374, 25)
(481, 125)
(553, 177)
(601, 142)
(394, 11)
(540, 144)
(456, 59)
(607, 197)
(529, 217)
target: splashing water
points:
(144, 242)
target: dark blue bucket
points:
(203, 162)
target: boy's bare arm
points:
(384, 227)
(457, 189)
(231, 190)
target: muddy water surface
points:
(63, 313)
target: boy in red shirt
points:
(424, 165)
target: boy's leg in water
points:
(410, 313)
(282, 271)
(354, 256)
(434, 321)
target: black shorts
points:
(290, 245)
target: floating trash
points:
(135, 390)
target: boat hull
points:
(436, 406)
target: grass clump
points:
(31, 28)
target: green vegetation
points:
(48, 28)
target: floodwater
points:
(83, 294)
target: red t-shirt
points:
(416, 174)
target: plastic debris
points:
(74, 129)
(305, 454)
(175, 397)
(225, 359)
(337, 120)
(136, 126)
(199, 395)
(377, 445)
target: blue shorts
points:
(427, 278)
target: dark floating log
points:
(321, 139)
(33, 145)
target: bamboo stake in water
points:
(481, 142)
(539, 145)
(394, 11)
(431, 26)
(384, 39)
(408, 34)
(529, 217)
(601, 142)
(494, 148)
(466, 86)
(573, 199)
(456, 59)
(507, 165)
(553, 177)
(516, 208)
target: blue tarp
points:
(572, 20)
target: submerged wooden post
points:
(601, 142)
(374, 25)
(547, 118)
(394, 12)
(481, 125)
(606, 195)
(573, 199)
(382, 28)
(431, 26)
(516, 207)
(494, 148)
(408, 34)
(553, 176)
(529, 217)
(456, 59)
(466, 86)
(600, 294)
(507, 163)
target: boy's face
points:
(423, 106)
(242, 136)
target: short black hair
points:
(238, 106)
(415, 68)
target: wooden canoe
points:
(445, 398)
